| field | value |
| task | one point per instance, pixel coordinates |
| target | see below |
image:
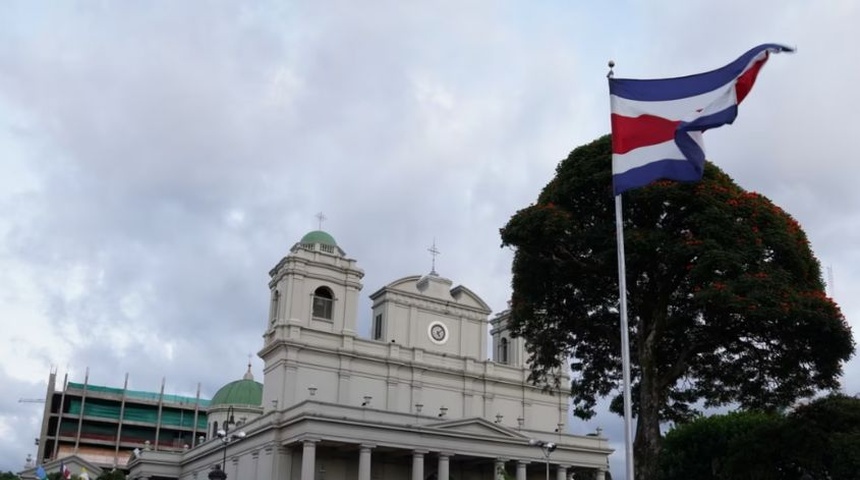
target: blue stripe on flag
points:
(680, 170)
(681, 87)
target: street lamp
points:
(546, 448)
(226, 437)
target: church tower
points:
(314, 291)
(315, 286)
(507, 349)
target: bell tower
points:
(315, 286)
(507, 349)
(314, 294)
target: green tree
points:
(825, 438)
(726, 301)
(9, 476)
(820, 440)
(737, 446)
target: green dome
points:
(318, 236)
(240, 392)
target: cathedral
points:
(438, 391)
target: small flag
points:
(40, 473)
(84, 475)
(657, 124)
(64, 471)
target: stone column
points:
(364, 462)
(283, 463)
(601, 474)
(309, 457)
(235, 462)
(266, 462)
(444, 463)
(255, 464)
(417, 464)
(561, 473)
(499, 468)
(521, 469)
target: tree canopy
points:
(739, 445)
(818, 440)
(725, 298)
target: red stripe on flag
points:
(745, 82)
(630, 133)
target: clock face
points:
(438, 332)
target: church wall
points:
(325, 380)
(399, 321)
(398, 378)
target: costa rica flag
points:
(657, 125)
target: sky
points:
(158, 158)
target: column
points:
(255, 464)
(417, 464)
(444, 462)
(309, 457)
(364, 462)
(521, 469)
(561, 473)
(235, 462)
(499, 469)
(282, 463)
(601, 474)
(266, 463)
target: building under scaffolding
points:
(104, 425)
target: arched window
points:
(323, 304)
(503, 350)
(214, 429)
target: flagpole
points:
(625, 341)
(625, 335)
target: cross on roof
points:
(433, 252)
(321, 219)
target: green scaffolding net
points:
(137, 413)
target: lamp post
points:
(226, 437)
(546, 448)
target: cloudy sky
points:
(158, 158)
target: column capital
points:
(369, 446)
(417, 452)
(446, 453)
(523, 462)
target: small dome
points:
(240, 392)
(318, 236)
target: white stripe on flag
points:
(685, 109)
(642, 156)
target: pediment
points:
(479, 427)
(75, 463)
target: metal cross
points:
(434, 252)
(321, 219)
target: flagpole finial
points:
(611, 74)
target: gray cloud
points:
(164, 156)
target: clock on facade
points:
(438, 333)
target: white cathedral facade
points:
(421, 399)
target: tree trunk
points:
(647, 443)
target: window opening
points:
(503, 350)
(323, 303)
(377, 327)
